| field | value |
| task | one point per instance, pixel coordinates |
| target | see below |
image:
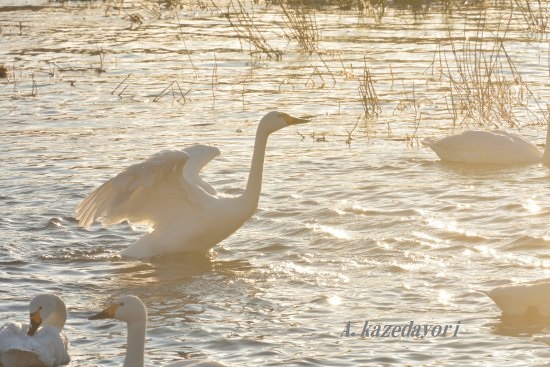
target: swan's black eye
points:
(121, 304)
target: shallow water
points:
(377, 230)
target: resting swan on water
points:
(42, 343)
(489, 147)
(523, 300)
(167, 193)
(131, 310)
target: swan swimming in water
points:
(489, 147)
(131, 310)
(167, 193)
(523, 300)
(42, 343)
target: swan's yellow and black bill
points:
(293, 120)
(108, 313)
(36, 321)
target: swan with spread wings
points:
(166, 193)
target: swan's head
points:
(127, 308)
(47, 309)
(275, 120)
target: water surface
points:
(376, 230)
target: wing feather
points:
(140, 193)
(199, 156)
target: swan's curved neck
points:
(251, 195)
(58, 316)
(546, 155)
(135, 344)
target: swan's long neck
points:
(58, 316)
(546, 155)
(135, 344)
(251, 195)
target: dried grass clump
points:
(175, 90)
(485, 85)
(536, 15)
(244, 22)
(301, 25)
(367, 94)
(3, 71)
(133, 11)
(101, 54)
(374, 8)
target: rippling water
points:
(377, 230)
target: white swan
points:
(42, 343)
(488, 147)
(131, 310)
(523, 300)
(166, 193)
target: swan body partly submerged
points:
(42, 342)
(131, 310)
(519, 300)
(166, 192)
(488, 147)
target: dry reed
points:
(536, 15)
(302, 26)
(350, 132)
(101, 54)
(248, 75)
(245, 24)
(177, 94)
(485, 85)
(34, 89)
(120, 84)
(310, 82)
(195, 72)
(367, 94)
(214, 83)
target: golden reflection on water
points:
(406, 234)
(532, 206)
(333, 231)
(530, 326)
(444, 297)
(334, 300)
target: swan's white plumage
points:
(199, 156)
(167, 193)
(47, 347)
(136, 193)
(532, 299)
(131, 310)
(487, 147)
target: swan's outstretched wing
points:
(148, 192)
(199, 156)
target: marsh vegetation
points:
(477, 72)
